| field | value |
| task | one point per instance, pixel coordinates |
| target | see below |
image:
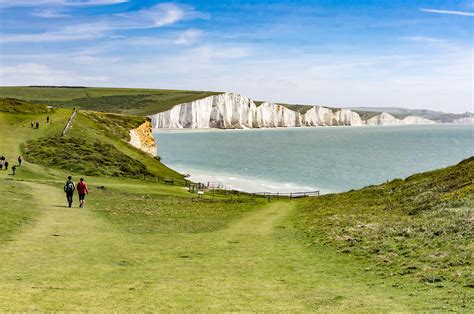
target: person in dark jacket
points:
(69, 188)
(6, 164)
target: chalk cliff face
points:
(270, 115)
(233, 111)
(142, 138)
(321, 116)
(387, 119)
(465, 120)
(224, 111)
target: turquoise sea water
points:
(329, 159)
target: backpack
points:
(69, 187)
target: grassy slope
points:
(90, 149)
(416, 230)
(132, 101)
(20, 106)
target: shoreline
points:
(246, 184)
(158, 130)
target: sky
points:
(384, 53)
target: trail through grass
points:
(72, 259)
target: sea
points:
(325, 159)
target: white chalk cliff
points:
(234, 111)
(465, 120)
(387, 119)
(321, 116)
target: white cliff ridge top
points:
(234, 111)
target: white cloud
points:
(184, 38)
(160, 15)
(463, 13)
(69, 33)
(94, 60)
(39, 3)
(188, 37)
(50, 13)
(40, 74)
(426, 39)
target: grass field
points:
(140, 245)
(133, 101)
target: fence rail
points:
(68, 122)
(290, 195)
(220, 190)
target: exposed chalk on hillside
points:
(142, 138)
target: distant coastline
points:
(235, 111)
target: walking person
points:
(1, 164)
(82, 190)
(69, 188)
(13, 169)
(19, 161)
(6, 164)
(47, 119)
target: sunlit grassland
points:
(134, 101)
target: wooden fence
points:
(211, 190)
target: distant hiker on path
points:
(6, 165)
(32, 124)
(1, 164)
(47, 119)
(13, 169)
(69, 188)
(82, 190)
(19, 161)
(37, 125)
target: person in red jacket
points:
(82, 191)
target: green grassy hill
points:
(419, 229)
(134, 101)
(14, 105)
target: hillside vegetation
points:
(86, 156)
(13, 105)
(420, 228)
(133, 101)
(118, 125)
(91, 148)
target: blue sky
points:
(407, 53)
